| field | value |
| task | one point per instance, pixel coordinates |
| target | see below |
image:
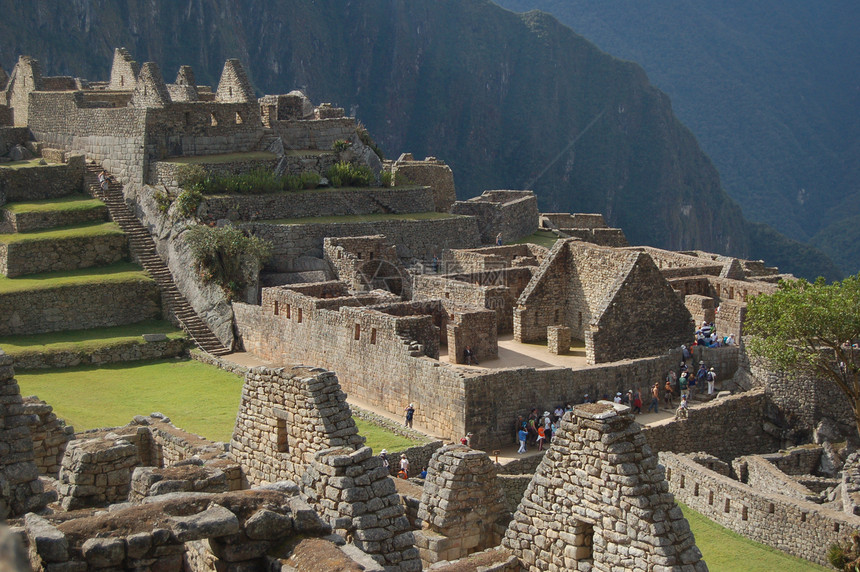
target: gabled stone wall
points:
(600, 501)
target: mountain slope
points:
(508, 101)
(769, 88)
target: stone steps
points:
(143, 249)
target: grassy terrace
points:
(318, 191)
(22, 164)
(727, 551)
(63, 204)
(87, 340)
(541, 238)
(362, 218)
(197, 397)
(120, 272)
(223, 158)
(76, 231)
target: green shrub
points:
(340, 145)
(187, 202)
(309, 180)
(845, 556)
(364, 137)
(348, 175)
(226, 256)
(191, 176)
(386, 178)
(163, 201)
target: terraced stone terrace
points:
(364, 218)
(121, 272)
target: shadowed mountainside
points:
(508, 101)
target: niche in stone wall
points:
(583, 541)
(213, 121)
(239, 120)
(282, 444)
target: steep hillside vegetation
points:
(769, 88)
(508, 101)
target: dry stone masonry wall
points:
(600, 501)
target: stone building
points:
(616, 301)
(600, 501)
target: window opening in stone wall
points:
(555, 317)
(213, 121)
(836, 527)
(584, 534)
(276, 308)
(187, 118)
(299, 315)
(281, 442)
(287, 311)
(727, 506)
(373, 336)
(239, 120)
(745, 514)
(683, 481)
(339, 254)
(803, 517)
(669, 474)
(710, 497)
(770, 508)
(121, 80)
(696, 490)
(580, 320)
(358, 331)
(144, 90)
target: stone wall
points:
(42, 181)
(493, 258)
(615, 300)
(613, 237)
(21, 257)
(414, 238)
(49, 433)
(11, 136)
(462, 505)
(79, 307)
(20, 488)
(804, 400)
(761, 475)
(287, 415)
(123, 352)
(431, 172)
(794, 526)
(514, 214)
(167, 172)
(96, 472)
(514, 487)
(725, 428)
(29, 221)
(600, 501)
(314, 133)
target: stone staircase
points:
(143, 249)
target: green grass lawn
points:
(78, 202)
(223, 158)
(726, 551)
(197, 397)
(119, 272)
(378, 217)
(22, 164)
(89, 229)
(87, 340)
(541, 238)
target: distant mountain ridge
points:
(506, 100)
(771, 90)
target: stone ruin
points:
(600, 501)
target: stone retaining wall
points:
(725, 428)
(122, 352)
(79, 307)
(762, 475)
(11, 136)
(320, 202)
(96, 472)
(23, 257)
(414, 238)
(514, 487)
(43, 181)
(50, 436)
(29, 221)
(314, 134)
(514, 214)
(794, 526)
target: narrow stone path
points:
(142, 247)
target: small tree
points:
(226, 256)
(803, 328)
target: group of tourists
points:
(403, 473)
(706, 336)
(538, 429)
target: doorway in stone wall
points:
(583, 533)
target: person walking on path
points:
(521, 437)
(712, 377)
(410, 413)
(655, 398)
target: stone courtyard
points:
(374, 294)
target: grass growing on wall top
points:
(15, 165)
(62, 204)
(119, 272)
(377, 217)
(197, 397)
(77, 231)
(223, 158)
(727, 551)
(544, 238)
(87, 340)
